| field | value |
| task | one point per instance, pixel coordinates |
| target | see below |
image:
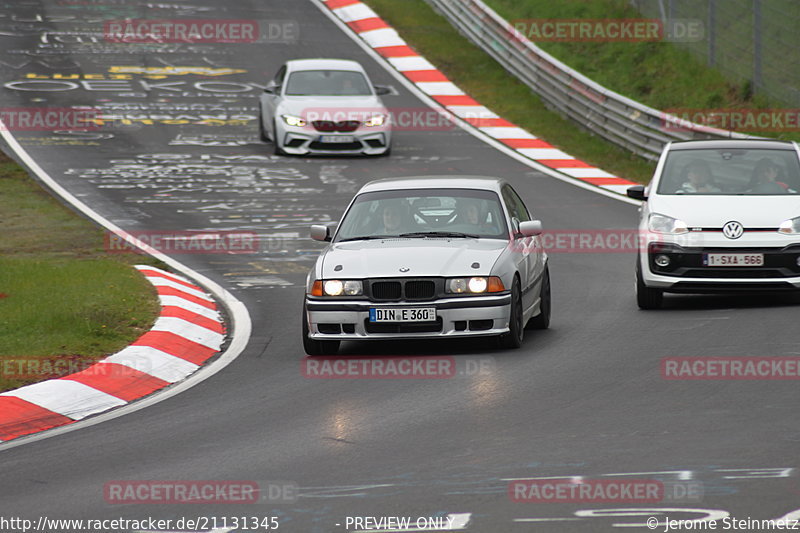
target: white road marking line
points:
(382, 37)
(164, 282)
(404, 64)
(440, 88)
(183, 303)
(508, 132)
(575, 479)
(584, 172)
(346, 491)
(189, 330)
(355, 12)
(565, 519)
(683, 475)
(154, 362)
(544, 153)
(67, 398)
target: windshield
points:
(424, 213)
(327, 83)
(731, 172)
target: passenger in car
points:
(471, 214)
(395, 219)
(699, 179)
(765, 178)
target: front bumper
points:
(688, 273)
(456, 317)
(306, 140)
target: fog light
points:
(662, 260)
(798, 260)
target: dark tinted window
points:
(392, 213)
(327, 83)
(730, 171)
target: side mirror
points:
(382, 90)
(636, 192)
(531, 228)
(320, 233)
(271, 88)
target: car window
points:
(327, 83)
(278, 79)
(522, 211)
(393, 213)
(516, 207)
(730, 172)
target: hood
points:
(714, 211)
(423, 257)
(336, 108)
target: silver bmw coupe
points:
(427, 257)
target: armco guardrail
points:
(625, 122)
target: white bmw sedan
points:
(428, 257)
(324, 106)
(720, 216)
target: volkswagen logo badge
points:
(404, 269)
(733, 230)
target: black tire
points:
(315, 347)
(262, 133)
(513, 339)
(542, 320)
(276, 146)
(646, 297)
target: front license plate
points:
(336, 138)
(404, 314)
(733, 260)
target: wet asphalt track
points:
(583, 398)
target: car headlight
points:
(664, 224)
(292, 120)
(790, 227)
(337, 287)
(474, 285)
(375, 120)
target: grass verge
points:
(660, 74)
(64, 301)
(484, 79)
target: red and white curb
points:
(188, 332)
(382, 38)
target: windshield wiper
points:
(368, 238)
(439, 234)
